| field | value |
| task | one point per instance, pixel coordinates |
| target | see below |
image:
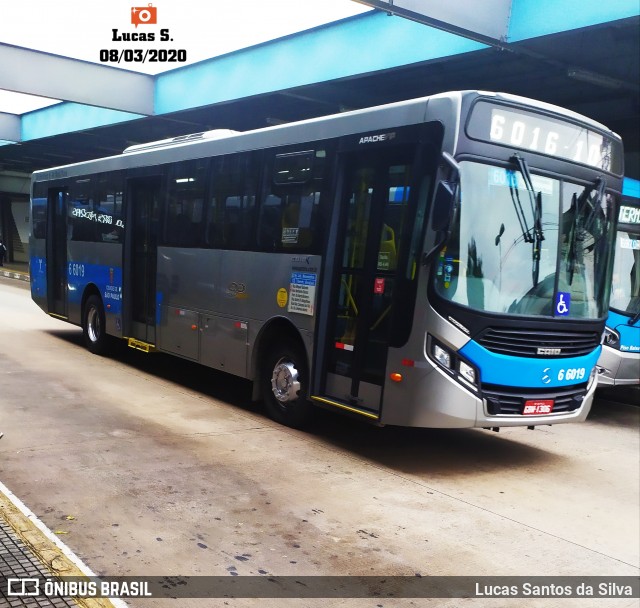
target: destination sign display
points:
(526, 130)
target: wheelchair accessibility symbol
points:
(563, 303)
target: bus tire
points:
(94, 326)
(285, 385)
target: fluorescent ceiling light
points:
(596, 79)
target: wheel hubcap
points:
(93, 325)
(285, 381)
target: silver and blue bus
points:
(619, 362)
(441, 262)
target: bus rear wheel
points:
(285, 386)
(94, 326)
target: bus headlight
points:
(442, 356)
(457, 367)
(467, 372)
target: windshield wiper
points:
(633, 320)
(600, 184)
(535, 234)
(577, 233)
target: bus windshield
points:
(528, 244)
(625, 296)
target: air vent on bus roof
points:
(181, 139)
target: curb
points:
(54, 555)
(15, 274)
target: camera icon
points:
(23, 587)
(145, 15)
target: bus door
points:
(57, 252)
(374, 200)
(143, 212)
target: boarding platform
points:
(17, 561)
(15, 270)
(29, 555)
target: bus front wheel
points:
(285, 386)
(94, 326)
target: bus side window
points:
(82, 216)
(290, 218)
(187, 181)
(231, 206)
(213, 230)
(238, 218)
(109, 209)
(396, 211)
(298, 220)
(39, 211)
(270, 227)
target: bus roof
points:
(226, 141)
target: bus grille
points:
(538, 343)
(508, 402)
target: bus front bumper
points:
(431, 398)
(618, 368)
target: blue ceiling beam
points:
(360, 45)
(534, 18)
(363, 44)
(69, 117)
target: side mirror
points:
(443, 206)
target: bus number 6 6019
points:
(573, 373)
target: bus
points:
(439, 262)
(619, 362)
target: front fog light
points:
(467, 372)
(441, 356)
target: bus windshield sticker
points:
(563, 303)
(448, 270)
(507, 177)
(626, 243)
(303, 293)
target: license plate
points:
(537, 407)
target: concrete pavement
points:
(167, 468)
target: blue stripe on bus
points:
(108, 280)
(38, 276)
(530, 372)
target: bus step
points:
(145, 347)
(345, 407)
